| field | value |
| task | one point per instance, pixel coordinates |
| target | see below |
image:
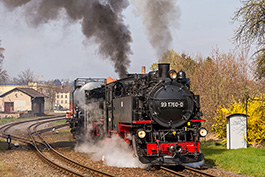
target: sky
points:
(60, 51)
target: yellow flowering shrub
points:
(255, 121)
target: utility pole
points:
(38, 77)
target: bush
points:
(255, 121)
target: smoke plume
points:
(101, 20)
(159, 16)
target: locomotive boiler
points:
(80, 101)
(156, 113)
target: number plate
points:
(172, 104)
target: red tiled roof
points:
(63, 89)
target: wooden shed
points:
(21, 100)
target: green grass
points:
(58, 122)
(7, 120)
(5, 169)
(64, 131)
(3, 146)
(12, 119)
(249, 161)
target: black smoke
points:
(101, 20)
(159, 18)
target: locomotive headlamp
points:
(179, 148)
(172, 74)
(203, 132)
(171, 149)
(181, 75)
(175, 148)
(141, 133)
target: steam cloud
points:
(159, 16)
(114, 151)
(100, 19)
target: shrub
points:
(255, 121)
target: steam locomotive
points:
(156, 113)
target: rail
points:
(188, 171)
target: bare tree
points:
(24, 77)
(49, 90)
(178, 62)
(3, 73)
(218, 79)
(251, 17)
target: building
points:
(24, 100)
(49, 90)
(62, 97)
(6, 88)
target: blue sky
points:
(57, 50)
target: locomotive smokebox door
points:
(171, 105)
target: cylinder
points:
(163, 69)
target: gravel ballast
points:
(23, 161)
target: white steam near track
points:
(160, 17)
(114, 151)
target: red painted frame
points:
(142, 122)
(197, 120)
(152, 148)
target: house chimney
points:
(143, 69)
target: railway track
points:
(66, 165)
(5, 128)
(70, 166)
(188, 171)
(75, 168)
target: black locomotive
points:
(156, 113)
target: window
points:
(9, 107)
(57, 96)
(57, 101)
(65, 96)
(65, 101)
(61, 96)
(62, 101)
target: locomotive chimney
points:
(163, 69)
(143, 69)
